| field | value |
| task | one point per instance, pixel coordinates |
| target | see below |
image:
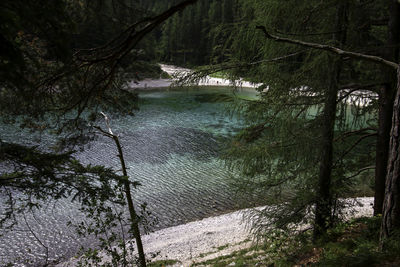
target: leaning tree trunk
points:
(131, 207)
(391, 205)
(386, 97)
(134, 218)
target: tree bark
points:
(382, 144)
(391, 205)
(323, 205)
(386, 98)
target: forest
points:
(321, 129)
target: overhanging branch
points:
(329, 48)
(195, 76)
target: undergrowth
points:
(352, 243)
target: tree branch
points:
(131, 36)
(329, 48)
(307, 34)
(353, 89)
(360, 171)
(107, 122)
(199, 74)
(347, 134)
(354, 145)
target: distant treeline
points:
(198, 36)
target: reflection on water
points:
(171, 147)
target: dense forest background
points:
(203, 34)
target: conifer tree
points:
(300, 79)
(390, 220)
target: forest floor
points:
(175, 71)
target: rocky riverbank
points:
(211, 237)
(175, 71)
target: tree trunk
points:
(134, 218)
(323, 205)
(382, 144)
(386, 106)
(391, 205)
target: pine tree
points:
(303, 80)
(390, 220)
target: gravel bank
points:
(173, 70)
(211, 237)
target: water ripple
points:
(171, 147)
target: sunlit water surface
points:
(172, 147)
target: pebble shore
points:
(212, 237)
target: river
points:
(172, 147)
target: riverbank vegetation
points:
(351, 243)
(327, 118)
(315, 146)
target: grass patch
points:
(222, 247)
(162, 263)
(253, 256)
(202, 255)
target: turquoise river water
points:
(172, 147)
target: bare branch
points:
(103, 132)
(329, 48)
(307, 34)
(347, 134)
(355, 144)
(360, 171)
(349, 89)
(107, 122)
